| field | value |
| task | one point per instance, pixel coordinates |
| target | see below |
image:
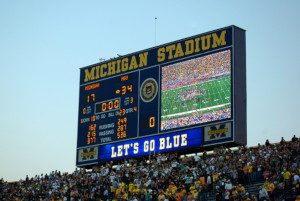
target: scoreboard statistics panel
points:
(175, 97)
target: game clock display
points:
(173, 97)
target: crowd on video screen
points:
(196, 119)
(196, 70)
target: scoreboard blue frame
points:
(125, 103)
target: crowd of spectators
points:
(223, 174)
(196, 70)
(196, 118)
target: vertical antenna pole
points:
(155, 31)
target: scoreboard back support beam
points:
(181, 96)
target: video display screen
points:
(196, 91)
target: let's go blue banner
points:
(155, 144)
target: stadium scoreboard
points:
(180, 96)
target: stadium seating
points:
(225, 174)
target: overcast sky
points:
(44, 43)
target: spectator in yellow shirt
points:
(194, 191)
(118, 192)
(179, 195)
(161, 196)
(131, 187)
(136, 190)
(248, 169)
(287, 175)
(234, 193)
(215, 177)
(202, 181)
(270, 187)
(240, 189)
(172, 188)
(287, 178)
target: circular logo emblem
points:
(149, 90)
